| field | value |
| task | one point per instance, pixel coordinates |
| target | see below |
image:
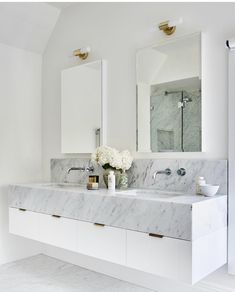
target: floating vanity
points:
(170, 234)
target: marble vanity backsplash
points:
(141, 173)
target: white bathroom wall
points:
(27, 25)
(231, 218)
(115, 31)
(20, 132)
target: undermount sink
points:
(63, 185)
(138, 193)
(149, 193)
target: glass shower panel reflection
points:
(175, 121)
(165, 123)
(192, 122)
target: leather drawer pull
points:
(99, 224)
(21, 209)
(156, 235)
(56, 216)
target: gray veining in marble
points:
(59, 168)
(170, 216)
(141, 173)
(45, 274)
(214, 171)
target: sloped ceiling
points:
(27, 25)
(61, 5)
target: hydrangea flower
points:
(108, 157)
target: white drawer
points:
(166, 257)
(103, 242)
(24, 223)
(58, 231)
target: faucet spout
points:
(87, 169)
(167, 171)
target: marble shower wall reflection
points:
(141, 173)
(171, 130)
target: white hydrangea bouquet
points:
(112, 159)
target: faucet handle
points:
(90, 169)
(167, 171)
(181, 171)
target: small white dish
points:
(209, 190)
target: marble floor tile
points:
(45, 274)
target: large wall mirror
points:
(169, 96)
(82, 107)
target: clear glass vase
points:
(123, 181)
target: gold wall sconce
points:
(169, 26)
(82, 53)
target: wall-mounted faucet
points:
(167, 171)
(87, 169)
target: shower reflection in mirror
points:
(169, 96)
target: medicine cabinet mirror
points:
(169, 96)
(82, 107)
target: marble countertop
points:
(172, 214)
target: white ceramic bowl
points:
(209, 190)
